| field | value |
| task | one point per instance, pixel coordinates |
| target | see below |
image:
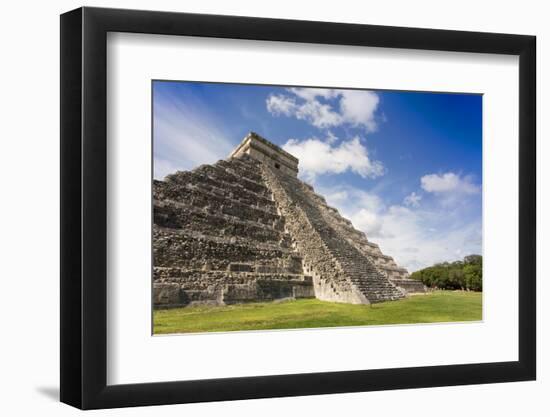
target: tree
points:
(456, 279)
(466, 274)
(473, 259)
(473, 276)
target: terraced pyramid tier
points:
(247, 229)
(219, 239)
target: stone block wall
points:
(219, 239)
(175, 287)
(266, 152)
(244, 229)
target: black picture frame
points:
(84, 207)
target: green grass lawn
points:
(435, 307)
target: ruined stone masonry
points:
(247, 229)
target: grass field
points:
(435, 307)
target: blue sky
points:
(404, 167)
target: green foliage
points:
(473, 276)
(463, 275)
(473, 259)
(432, 307)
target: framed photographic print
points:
(256, 208)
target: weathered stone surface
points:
(268, 153)
(410, 285)
(166, 294)
(246, 229)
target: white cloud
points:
(361, 207)
(318, 114)
(415, 237)
(185, 136)
(412, 200)
(356, 108)
(163, 167)
(408, 235)
(312, 93)
(319, 157)
(280, 105)
(368, 221)
(449, 182)
(331, 137)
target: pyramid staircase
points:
(351, 274)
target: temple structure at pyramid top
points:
(248, 229)
(268, 153)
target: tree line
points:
(458, 275)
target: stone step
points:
(180, 248)
(384, 264)
(221, 175)
(183, 216)
(213, 203)
(358, 269)
(240, 169)
(172, 274)
(224, 185)
(223, 287)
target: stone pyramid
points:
(247, 229)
